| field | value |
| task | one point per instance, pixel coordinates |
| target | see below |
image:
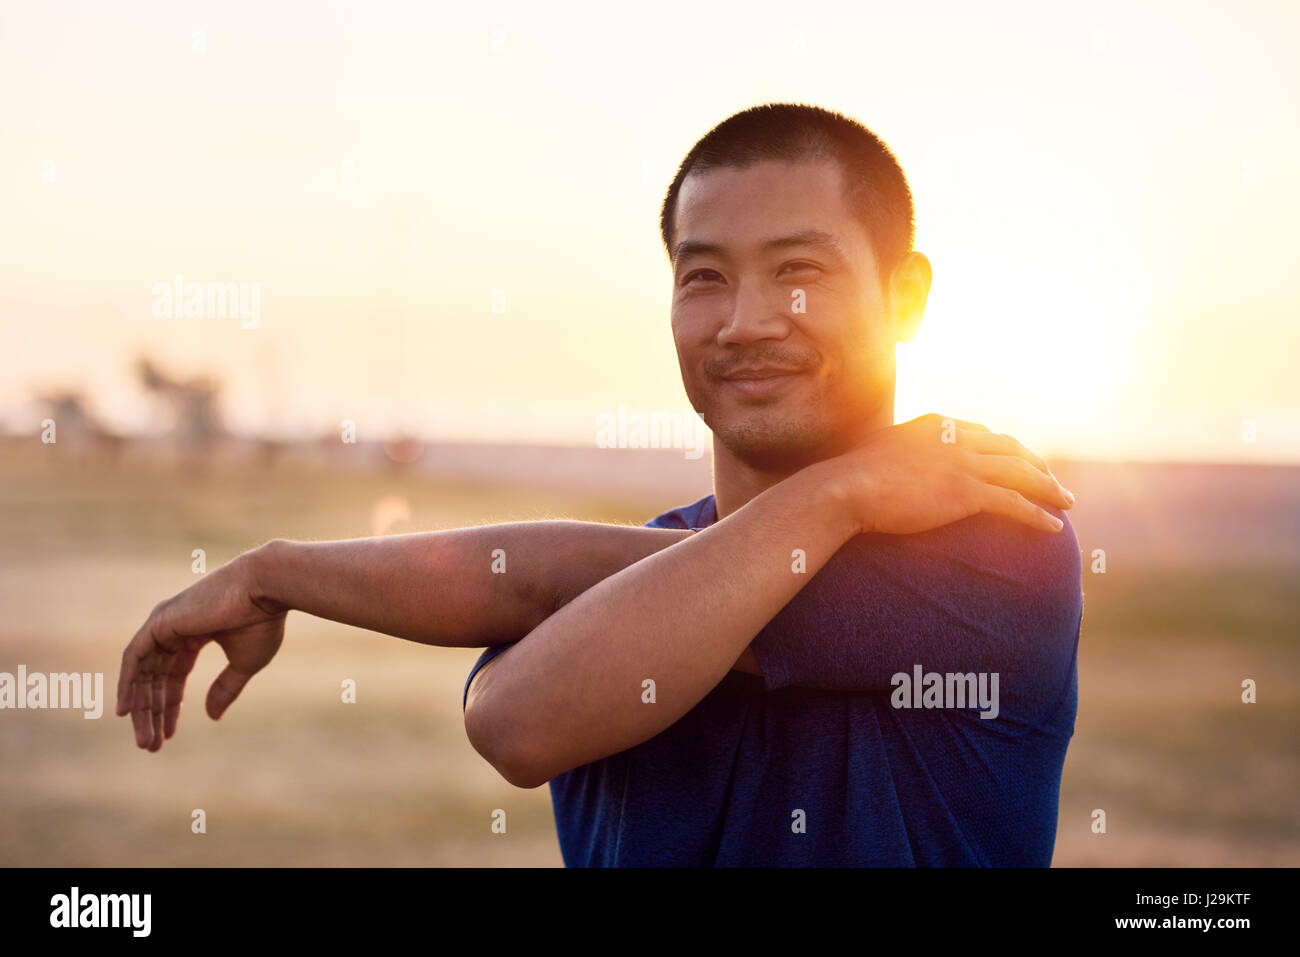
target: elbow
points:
(497, 738)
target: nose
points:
(754, 316)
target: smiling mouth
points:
(760, 382)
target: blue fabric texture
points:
(813, 764)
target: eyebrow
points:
(816, 238)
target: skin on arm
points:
(547, 564)
(571, 692)
(465, 587)
(437, 588)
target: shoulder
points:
(987, 570)
(994, 546)
(995, 570)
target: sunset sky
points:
(1108, 194)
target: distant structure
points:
(193, 403)
(78, 425)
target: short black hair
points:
(876, 189)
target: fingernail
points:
(1068, 494)
(1056, 522)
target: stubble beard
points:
(776, 441)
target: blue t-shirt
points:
(812, 763)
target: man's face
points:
(783, 332)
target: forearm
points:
(573, 690)
(460, 587)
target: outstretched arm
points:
(460, 587)
(463, 587)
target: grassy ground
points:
(1187, 774)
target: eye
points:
(797, 266)
(699, 272)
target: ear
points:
(909, 289)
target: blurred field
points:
(1201, 592)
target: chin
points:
(785, 446)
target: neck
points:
(736, 481)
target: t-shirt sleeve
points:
(982, 595)
(488, 655)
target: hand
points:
(932, 471)
(219, 607)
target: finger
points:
(158, 701)
(141, 709)
(996, 443)
(1013, 472)
(1000, 500)
(140, 646)
(182, 665)
(971, 426)
(143, 644)
(1009, 445)
(124, 681)
(1041, 463)
(225, 690)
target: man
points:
(732, 685)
